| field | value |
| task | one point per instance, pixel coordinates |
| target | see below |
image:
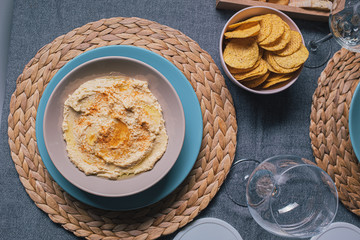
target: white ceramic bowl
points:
(105, 66)
(243, 15)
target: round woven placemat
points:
(329, 129)
(211, 167)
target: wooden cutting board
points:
(293, 12)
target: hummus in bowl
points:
(114, 126)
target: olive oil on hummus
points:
(114, 127)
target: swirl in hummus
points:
(113, 127)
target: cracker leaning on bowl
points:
(263, 52)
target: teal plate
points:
(354, 122)
(189, 151)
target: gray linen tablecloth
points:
(267, 125)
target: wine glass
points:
(344, 23)
(286, 195)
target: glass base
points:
(319, 56)
(237, 179)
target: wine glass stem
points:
(314, 44)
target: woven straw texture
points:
(211, 167)
(329, 130)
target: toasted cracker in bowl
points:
(262, 35)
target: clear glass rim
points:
(237, 162)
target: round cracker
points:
(276, 68)
(281, 43)
(293, 45)
(271, 69)
(277, 76)
(277, 29)
(257, 72)
(265, 28)
(268, 84)
(237, 70)
(241, 53)
(250, 20)
(256, 82)
(244, 31)
(294, 60)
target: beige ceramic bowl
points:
(243, 15)
(110, 66)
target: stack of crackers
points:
(263, 52)
(324, 5)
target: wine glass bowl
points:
(344, 22)
(291, 197)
